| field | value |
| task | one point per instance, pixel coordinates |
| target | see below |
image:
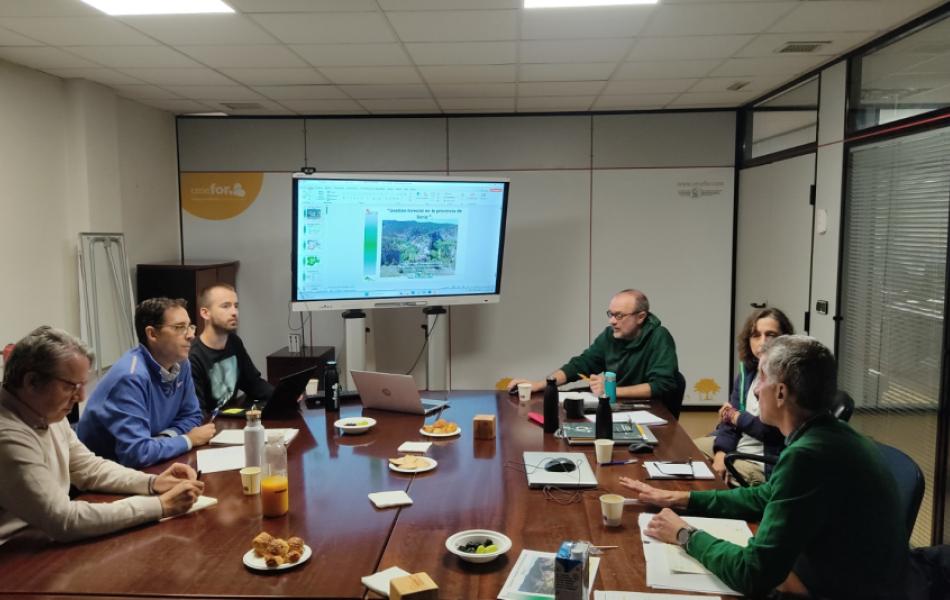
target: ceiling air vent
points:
(801, 47)
(242, 105)
(738, 85)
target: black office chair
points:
(842, 409)
(674, 401)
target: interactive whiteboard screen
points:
(371, 241)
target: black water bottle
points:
(604, 424)
(551, 420)
(331, 382)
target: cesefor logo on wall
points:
(219, 196)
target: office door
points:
(773, 261)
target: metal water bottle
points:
(551, 419)
(331, 381)
(254, 437)
(610, 386)
(604, 423)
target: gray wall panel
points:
(703, 139)
(240, 144)
(519, 143)
(412, 144)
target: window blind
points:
(892, 304)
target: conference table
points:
(478, 484)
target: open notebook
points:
(235, 437)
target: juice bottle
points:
(275, 487)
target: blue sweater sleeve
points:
(126, 415)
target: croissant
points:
(261, 542)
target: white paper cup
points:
(604, 450)
(524, 392)
(611, 507)
(251, 480)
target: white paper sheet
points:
(201, 503)
(674, 470)
(417, 447)
(733, 530)
(228, 458)
(643, 417)
(379, 581)
(235, 437)
(389, 499)
(659, 575)
(616, 595)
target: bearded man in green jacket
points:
(830, 525)
(635, 346)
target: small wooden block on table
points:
(483, 427)
(418, 586)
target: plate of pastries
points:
(269, 553)
(441, 428)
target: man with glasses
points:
(223, 372)
(634, 345)
(40, 456)
(144, 411)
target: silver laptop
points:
(389, 391)
(547, 469)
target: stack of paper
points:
(669, 567)
(235, 437)
(642, 417)
(658, 469)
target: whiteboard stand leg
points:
(355, 328)
(437, 351)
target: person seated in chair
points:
(740, 429)
(40, 455)
(830, 518)
(635, 346)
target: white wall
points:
(74, 157)
(556, 245)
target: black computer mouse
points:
(560, 465)
(639, 448)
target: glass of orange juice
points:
(275, 488)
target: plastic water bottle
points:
(551, 417)
(254, 438)
(604, 420)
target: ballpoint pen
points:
(629, 461)
(214, 414)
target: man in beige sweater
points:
(40, 455)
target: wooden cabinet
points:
(284, 362)
(175, 280)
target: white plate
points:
(253, 561)
(457, 431)
(458, 539)
(432, 464)
(350, 424)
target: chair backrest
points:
(844, 406)
(674, 401)
(910, 482)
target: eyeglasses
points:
(75, 385)
(677, 470)
(620, 316)
(182, 329)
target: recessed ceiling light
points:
(159, 7)
(582, 3)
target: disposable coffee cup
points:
(251, 480)
(604, 450)
(574, 408)
(611, 507)
(524, 392)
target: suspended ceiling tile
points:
(769, 44)
(478, 104)
(47, 8)
(393, 105)
(596, 22)
(448, 4)
(754, 84)
(463, 53)
(203, 30)
(134, 56)
(688, 47)
(275, 76)
(561, 103)
(352, 55)
(648, 86)
(179, 107)
(163, 77)
(43, 57)
(711, 99)
(717, 18)
(566, 72)
(77, 31)
(574, 51)
(835, 15)
(300, 92)
(297, 6)
(265, 56)
(224, 93)
(666, 69)
(633, 102)
(560, 88)
(144, 92)
(371, 75)
(323, 28)
(473, 90)
(386, 91)
(455, 26)
(108, 77)
(9, 38)
(316, 107)
(750, 67)
(469, 74)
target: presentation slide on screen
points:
(396, 239)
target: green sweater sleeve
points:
(589, 361)
(795, 509)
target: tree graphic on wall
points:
(707, 387)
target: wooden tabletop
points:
(477, 484)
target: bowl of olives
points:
(478, 545)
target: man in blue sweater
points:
(144, 411)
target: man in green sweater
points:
(634, 345)
(829, 522)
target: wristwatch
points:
(684, 534)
